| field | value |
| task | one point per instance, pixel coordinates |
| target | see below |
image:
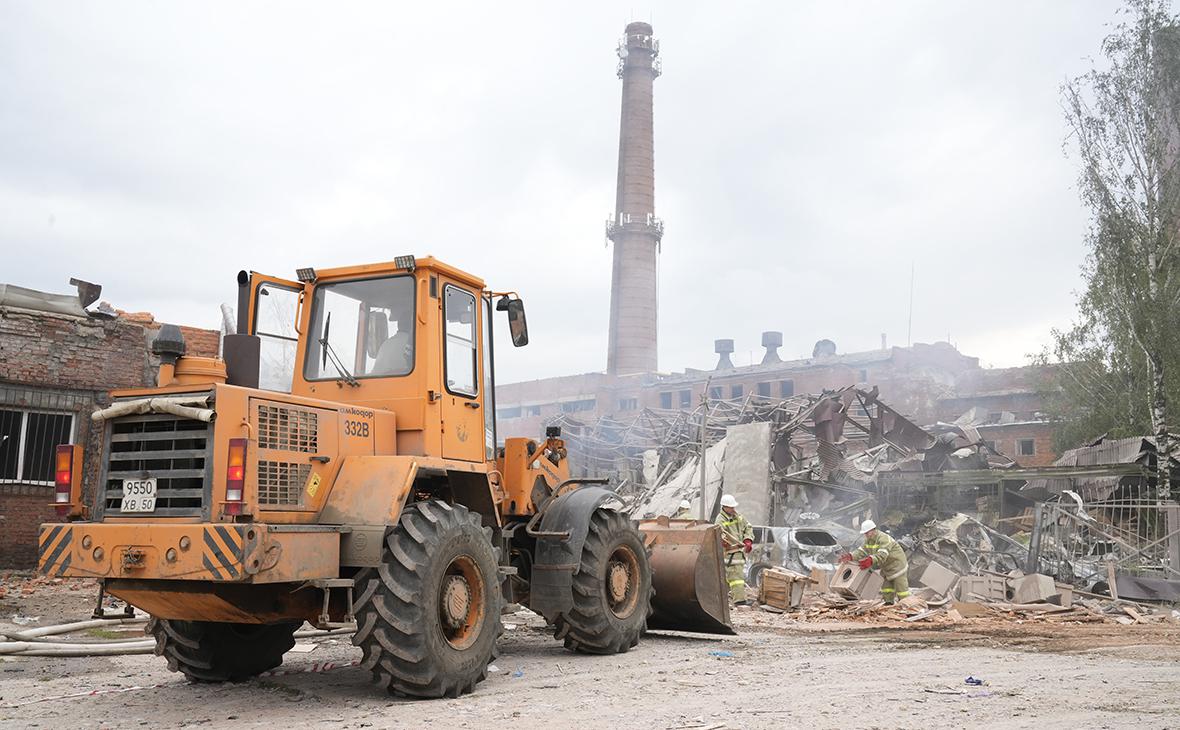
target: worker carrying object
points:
(881, 552)
(685, 511)
(737, 539)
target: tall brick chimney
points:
(634, 229)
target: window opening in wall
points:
(715, 392)
(764, 390)
(576, 406)
(1026, 447)
(532, 411)
(735, 391)
(786, 388)
(666, 401)
(862, 376)
(28, 442)
(508, 412)
(990, 444)
(685, 398)
(628, 404)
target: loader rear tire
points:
(612, 589)
(210, 651)
(429, 616)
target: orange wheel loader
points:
(340, 464)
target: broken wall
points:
(746, 471)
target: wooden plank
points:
(1030, 607)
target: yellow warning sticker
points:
(313, 485)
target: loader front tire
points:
(211, 651)
(612, 589)
(429, 616)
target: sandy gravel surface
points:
(781, 673)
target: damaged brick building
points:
(57, 362)
(930, 383)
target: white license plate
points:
(139, 495)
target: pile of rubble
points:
(849, 594)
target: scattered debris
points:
(21, 620)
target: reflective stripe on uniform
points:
(738, 582)
(898, 574)
(887, 590)
(903, 594)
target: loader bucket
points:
(691, 593)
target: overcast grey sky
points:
(807, 154)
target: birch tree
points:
(1120, 363)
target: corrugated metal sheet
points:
(1132, 450)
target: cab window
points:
(461, 358)
(363, 328)
(274, 323)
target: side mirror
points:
(517, 326)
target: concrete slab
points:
(1033, 588)
(940, 578)
(1064, 595)
(746, 471)
(970, 609)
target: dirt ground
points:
(776, 673)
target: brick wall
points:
(64, 364)
(40, 348)
(20, 517)
(1008, 436)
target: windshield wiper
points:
(330, 351)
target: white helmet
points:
(867, 525)
(728, 500)
(684, 504)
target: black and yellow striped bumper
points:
(231, 552)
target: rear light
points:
(235, 476)
(65, 478)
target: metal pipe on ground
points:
(31, 634)
(38, 646)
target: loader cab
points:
(412, 336)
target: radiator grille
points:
(288, 429)
(175, 451)
(281, 482)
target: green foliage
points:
(1117, 365)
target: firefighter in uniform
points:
(685, 511)
(881, 552)
(737, 539)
